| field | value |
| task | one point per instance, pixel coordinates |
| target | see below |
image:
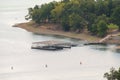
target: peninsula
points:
(91, 20)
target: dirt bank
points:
(54, 29)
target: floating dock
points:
(95, 43)
(51, 45)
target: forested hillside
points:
(76, 15)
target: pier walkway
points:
(51, 45)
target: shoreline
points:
(45, 29)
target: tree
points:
(90, 20)
(102, 28)
(110, 6)
(76, 15)
(30, 12)
(29, 15)
(37, 16)
(76, 22)
(46, 11)
(101, 7)
(94, 29)
(113, 74)
(115, 3)
(65, 23)
(57, 12)
(65, 1)
(116, 16)
(102, 17)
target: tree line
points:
(77, 15)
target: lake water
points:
(19, 62)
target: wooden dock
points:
(51, 45)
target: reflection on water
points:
(107, 47)
(117, 51)
(59, 38)
(100, 47)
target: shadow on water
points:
(117, 50)
(44, 37)
(59, 38)
(80, 43)
(48, 35)
(100, 47)
(107, 47)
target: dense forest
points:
(96, 16)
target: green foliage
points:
(102, 17)
(112, 26)
(99, 27)
(36, 16)
(110, 6)
(65, 23)
(90, 20)
(76, 22)
(65, 1)
(101, 7)
(113, 74)
(29, 16)
(116, 16)
(102, 28)
(76, 15)
(41, 13)
(94, 29)
(56, 13)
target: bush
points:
(112, 26)
(102, 28)
(113, 74)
